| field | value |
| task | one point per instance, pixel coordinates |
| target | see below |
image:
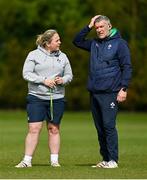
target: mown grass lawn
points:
(79, 148)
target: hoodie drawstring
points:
(51, 104)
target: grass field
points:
(79, 148)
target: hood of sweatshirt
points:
(51, 54)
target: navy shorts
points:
(39, 110)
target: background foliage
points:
(22, 20)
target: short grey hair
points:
(102, 17)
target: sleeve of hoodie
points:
(28, 70)
(81, 41)
(67, 75)
(125, 63)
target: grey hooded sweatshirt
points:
(39, 65)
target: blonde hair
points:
(46, 37)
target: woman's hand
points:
(58, 80)
(50, 83)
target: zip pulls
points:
(51, 103)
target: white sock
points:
(27, 158)
(54, 158)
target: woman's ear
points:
(48, 45)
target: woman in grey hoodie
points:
(47, 70)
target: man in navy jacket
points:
(109, 75)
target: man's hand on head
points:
(91, 24)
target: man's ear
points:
(110, 26)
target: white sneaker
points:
(111, 164)
(23, 164)
(55, 164)
(100, 164)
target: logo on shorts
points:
(112, 105)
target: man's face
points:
(102, 29)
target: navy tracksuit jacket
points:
(110, 70)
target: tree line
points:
(23, 20)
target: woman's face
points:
(55, 43)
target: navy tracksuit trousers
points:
(104, 110)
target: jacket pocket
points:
(103, 84)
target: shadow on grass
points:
(41, 165)
(84, 165)
(88, 165)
